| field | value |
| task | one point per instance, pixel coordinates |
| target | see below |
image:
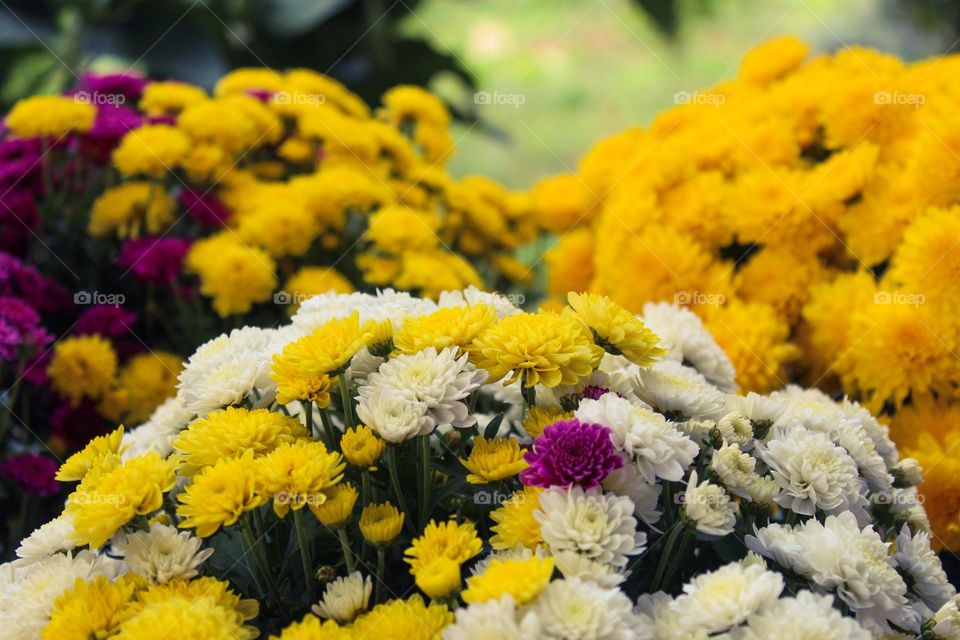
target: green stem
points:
(330, 439)
(381, 566)
(392, 466)
(304, 553)
(257, 550)
(423, 442)
(658, 577)
(346, 400)
(347, 552)
(308, 417)
(365, 487)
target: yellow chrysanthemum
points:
(232, 432)
(449, 539)
(494, 459)
(522, 579)
(50, 117)
(408, 619)
(92, 609)
(312, 628)
(170, 97)
(328, 349)
(928, 259)
(151, 150)
(219, 123)
(773, 59)
(562, 202)
(312, 281)
(898, 348)
(361, 446)
(539, 418)
(294, 384)
(235, 275)
(786, 292)
(187, 618)
(397, 229)
(440, 579)
(941, 486)
(936, 418)
(381, 523)
(244, 80)
(828, 318)
(433, 272)
(219, 591)
(114, 493)
(406, 102)
(219, 495)
(540, 348)
(82, 367)
(299, 474)
(130, 210)
(281, 228)
(756, 340)
(615, 329)
(147, 380)
(338, 507)
(516, 525)
(570, 263)
(90, 456)
(447, 327)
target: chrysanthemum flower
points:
(575, 608)
(82, 367)
(708, 507)
(50, 116)
(447, 327)
(191, 617)
(381, 523)
(114, 493)
(345, 598)
(522, 579)
(169, 97)
(408, 619)
(299, 474)
(130, 210)
(539, 418)
(234, 274)
(615, 329)
(231, 432)
(941, 486)
(928, 259)
(328, 350)
(92, 609)
(311, 281)
(571, 453)
(162, 553)
(516, 524)
(293, 384)
(219, 495)
(457, 542)
(312, 627)
(337, 509)
(148, 379)
(90, 456)
(361, 446)
(494, 459)
(541, 348)
(151, 150)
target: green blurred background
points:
(533, 82)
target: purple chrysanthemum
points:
(107, 320)
(21, 330)
(32, 473)
(571, 452)
(154, 260)
(204, 207)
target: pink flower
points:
(154, 260)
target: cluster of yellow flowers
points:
(321, 193)
(806, 210)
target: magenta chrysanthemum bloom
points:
(21, 332)
(154, 260)
(107, 320)
(204, 207)
(32, 473)
(571, 452)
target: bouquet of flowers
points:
(807, 211)
(170, 215)
(394, 466)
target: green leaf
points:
(493, 427)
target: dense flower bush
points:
(807, 211)
(141, 218)
(389, 466)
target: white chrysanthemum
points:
(439, 380)
(658, 621)
(501, 304)
(724, 598)
(27, 593)
(572, 565)
(709, 508)
(159, 431)
(671, 387)
(946, 621)
(735, 469)
(810, 408)
(393, 415)
(915, 557)
(595, 525)
(910, 472)
(736, 428)
(628, 481)
(569, 396)
(49, 539)
(853, 437)
(764, 491)
(804, 617)
(163, 553)
(907, 503)
(388, 304)
(493, 620)
(657, 447)
(362, 365)
(518, 552)
(686, 339)
(755, 407)
(812, 472)
(576, 609)
(878, 433)
(225, 370)
(839, 556)
(345, 598)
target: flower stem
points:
(347, 553)
(308, 418)
(346, 400)
(261, 559)
(659, 576)
(304, 552)
(365, 487)
(392, 466)
(423, 442)
(329, 438)
(381, 566)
